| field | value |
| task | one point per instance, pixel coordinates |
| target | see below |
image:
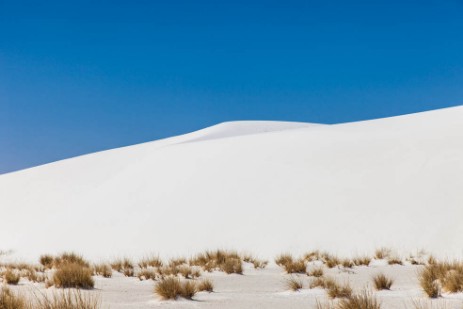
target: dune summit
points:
(265, 187)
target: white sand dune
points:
(264, 187)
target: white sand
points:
(264, 187)
(264, 289)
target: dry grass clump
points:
(103, 270)
(151, 261)
(316, 272)
(47, 261)
(73, 275)
(257, 263)
(70, 299)
(363, 300)
(437, 276)
(10, 300)
(172, 288)
(336, 290)
(294, 284)
(382, 282)
(393, 260)
(11, 277)
(312, 256)
(382, 253)
(124, 266)
(227, 261)
(362, 260)
(347, 263)
(147, 274)
(290, 265)
(205, 285)
(331, 260)
(70, 258)
(429, 280)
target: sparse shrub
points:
(188, 289)
(72, 275)
(382, 282)
(11, 276)
(362, 260)
(232, 266)
(312, 256)
(394, 261)
(295, 267)
(347, 263)
(168, 288)
(206, 285)
(103, 270)
(70, 258)
(322, 282)
(259, 264)
(283, 259)
(171, 288)
(364, 300)
(294, 283)
(124, 266)
(336, 290)
(146, 274)
(70, 299)
(185, 271)
(10, 300)
(316, 272)
(47, 261)
(331, 260)
(152, 261)
(429, 282)
(453, 281)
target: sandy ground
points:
(264, 289)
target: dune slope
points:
(265, 187)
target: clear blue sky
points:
(82, 76)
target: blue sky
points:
(82, 76)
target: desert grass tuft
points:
(336, 290)
(73, 275)
(11, 277)
(147, 274)
(382, 282)
(151, 261)
(67, 299)
(172, 288)
(103, 270)
(10, 300)
(70, 258)
(363, 300)
(429, 281)
(124, 266)
(205, 285)
(294, 283)
(362, 260)
(47, 261)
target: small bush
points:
(232, 266)
(336, 290)
(382, 282)
(10, 300)
(11, 277)
(103, 270)
(294, 284)
(124, 266)
(364, 300)
(47, 261)
(362, 260)
(70, 258)
(146, 274)
(394, 261)
(152, 261)
(168, 288)
(206, 285)
(171, 288)
(429, 282)
(188, 289)
(283, 259)
(72, 275)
